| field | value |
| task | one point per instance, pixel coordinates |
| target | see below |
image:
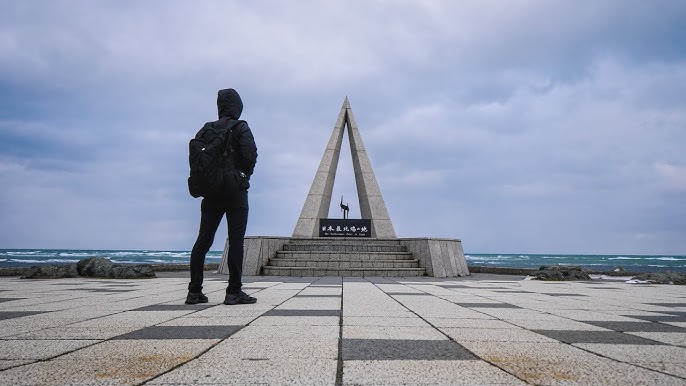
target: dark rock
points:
(51, 272)
(13, 271)
(561, 273)
(132, 272)
(95, 267)
(501, 270)
(92, 267)
(668, 277)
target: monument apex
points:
(318, 201)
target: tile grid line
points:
(221, 340)
(192, 359)
(443, 333)
(622, 361)
(98, 341)
(625, 362)
(569, 344)
(458, 304)
(11, 337)
(339, 365)
(55, 357)
(94, 318)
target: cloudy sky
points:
(516, 126)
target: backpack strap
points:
(229, 137)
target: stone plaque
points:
(329, 227)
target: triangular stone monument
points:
(319, 248)
(318, 200)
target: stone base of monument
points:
(356, 257)
(343, 257)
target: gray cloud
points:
(528, 126)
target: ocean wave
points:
(22, 253)
(661, 258)
(150, 261)
(74, 254)
(162, 254)
(34, 261)
(491, 257)
(503, 257)
(667, 258)
(165, 261)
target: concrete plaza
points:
(476, 330)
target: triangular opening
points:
(344, 184)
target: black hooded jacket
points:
(229, 105)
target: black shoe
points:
(195, 298)
(239, 298)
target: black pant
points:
(211, 213)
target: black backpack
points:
(209, 153)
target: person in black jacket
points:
(234, 205)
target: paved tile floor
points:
(478, 330)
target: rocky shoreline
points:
(96, 267)
(129, 271)
(533, 271)
(571, 273)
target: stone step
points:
(344, 247)
(344, 240)
(319, 255)
(343, 257)
(343, 264)
(350, 272)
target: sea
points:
(630, 263)
(30, 257)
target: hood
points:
(229, 103)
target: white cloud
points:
(672, 176)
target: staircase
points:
(343, 257)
